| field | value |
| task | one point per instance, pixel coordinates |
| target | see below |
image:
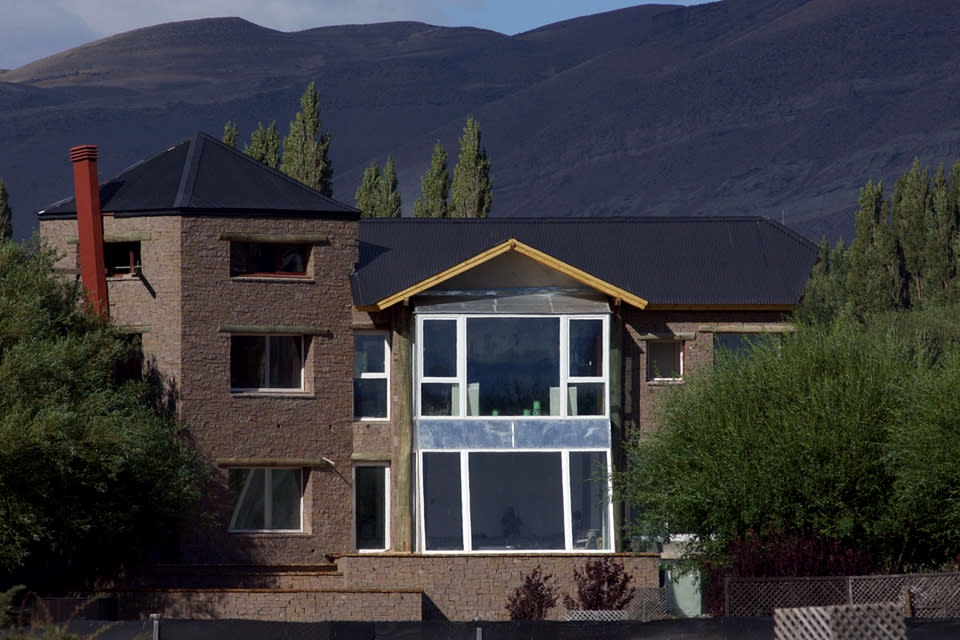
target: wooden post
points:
(403, 490)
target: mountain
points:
(782, 108)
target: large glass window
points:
(490, 366)
(371, 375)
(371, 499)
(268, 259)
(265, 499)
(515, 501)
(266, 363)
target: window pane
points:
(663, 359)
(586, 348)
(368, 354)
(247, 499)
(248, 368)
(285, 498)
(121, 258)
(370, 398)
(291, 258)
(442, 511)
(371, 504)
(440, 348)
(588, 500)
(286, 362)
(738, 344)
(439, 399)
(513, 363)
(516, 501)
(587, 399)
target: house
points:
(405, 416)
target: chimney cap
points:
(83, 152)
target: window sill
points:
(270, 394)
(264, 278)
(280, 532)
(666, 382)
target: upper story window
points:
(269, 259)
(498, 365)
(371, 376)
(121, 258)
(266, 363)
(665, 360)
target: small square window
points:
(371, 376)
(121, 258)
(371, 499)
(665, 360)
(268, 259)
(260, 363)
(266, 499)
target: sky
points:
(33, 29)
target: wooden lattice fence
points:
(929, 595)
(649, 603)
(874, 621)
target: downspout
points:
(90, 227)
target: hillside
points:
(781, 108)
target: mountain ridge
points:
(782, 108)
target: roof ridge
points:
(188, 173)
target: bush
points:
(603, 585)
(534, 598)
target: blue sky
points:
(33, 29)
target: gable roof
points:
(718, 262)
(203, 175)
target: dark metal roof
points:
(201, 174)
(718, 261)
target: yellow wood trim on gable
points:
(510, 245)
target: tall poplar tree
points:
(306, 146)
(875, 279)
(472, 191)
(390, 203)
(378, 195)
(910, 213)
(6, 214)
(434, 187)
(368, 193)
(265, 145)
(230, 134)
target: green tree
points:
(434, 187)
(368, 193)
(941, 262)
(876, 272)
(828, 436)
(911, 213)
(390, 204)
(6, 214)
(230, 134)
(472, 191)
(826, 296)
(265, 145)
(93, 471)
(306, 147)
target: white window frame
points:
(566, 381)
(465, 517)
(268, 338)
(267, 501)
(385, 375)
(386, 509)
(651, 375)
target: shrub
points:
(603, 585)
(532, 600)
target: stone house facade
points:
(405, 417)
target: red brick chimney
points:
(86, 185)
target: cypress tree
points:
(230, 134)
(434, 187)
(6, 214)
(305, 148)
(472, 191)
(265, 145)
(368, 193)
